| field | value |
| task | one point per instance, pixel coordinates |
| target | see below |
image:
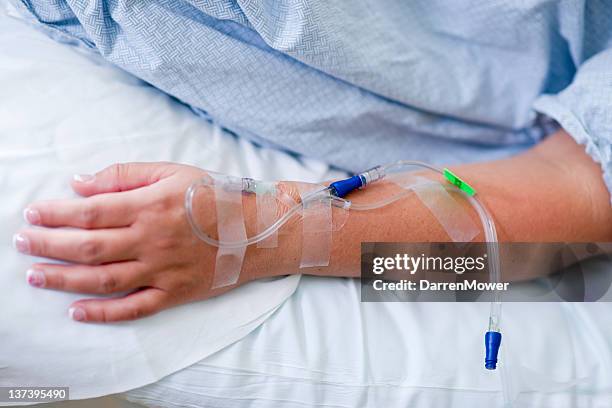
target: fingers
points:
(100, 211)
(139, 304)
(91, 247)
(121, 177)
(102, 279)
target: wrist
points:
(284, 259)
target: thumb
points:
(120, 177)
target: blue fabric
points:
(359, 82)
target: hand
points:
(130, 235)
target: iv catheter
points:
(336, 192)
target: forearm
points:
(552, 193)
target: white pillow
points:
(62, 112)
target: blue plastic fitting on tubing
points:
(341, 188)
(492, 343)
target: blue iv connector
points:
(492, 343)
(342, 187)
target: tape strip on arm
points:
(453, 218)
(230, 227)
(316, 226)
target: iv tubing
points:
(337, 190)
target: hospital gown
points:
(359, 83)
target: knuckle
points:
(90, 250)
(116, 169)
(140, 232)
(105, 317)
(40, 247)
(58, 281)
(89, 215)
(163, 203)
(165, 243)
(136, 312)
(107, 283)
(118, 172)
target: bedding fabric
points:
(360, 82)
(325, 348)
(63, 113)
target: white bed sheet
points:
(62, 112)
(325, 348)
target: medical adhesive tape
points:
(453, 218)
(268, 205)
(230, 227)
(316, 225)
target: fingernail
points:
(32, 216)
(76, 313)
(35, 278)
(21, 243)
(83, 178)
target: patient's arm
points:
(132, 235)
(552, 193)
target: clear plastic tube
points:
(367, 177)
(490, 234)
(189, 195)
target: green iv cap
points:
(462, 185)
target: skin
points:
(131, 235)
